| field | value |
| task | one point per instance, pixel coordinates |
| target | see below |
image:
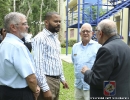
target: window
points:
(65, 34)
(71, 33)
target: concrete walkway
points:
(66, 58)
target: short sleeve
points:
(22, 62)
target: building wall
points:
(64, 24)
(121, 19)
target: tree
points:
(61, 13)
(91, 13)
(31, 8)
(3, 10)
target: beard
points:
(23, 34)
(53, 29)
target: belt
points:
(56, 77)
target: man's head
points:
(52, 21)
(105, 29)
(3, 33)
(86, 32)
(16, 23)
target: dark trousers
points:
(7, 93)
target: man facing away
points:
(110, 74)
(83, 54)
(46, 50)
(17, 75)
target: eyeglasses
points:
(24, 24)
(86, 31)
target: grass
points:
(68, 94)
(63, 50)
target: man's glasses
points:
(86, 31)
(24, 24)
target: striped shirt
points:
(46, 52)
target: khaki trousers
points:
(54, 85)
(82, 94)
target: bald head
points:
(108, 27)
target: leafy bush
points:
(72, 42)
(63, 45)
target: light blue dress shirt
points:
(83, 56)
(15, 62)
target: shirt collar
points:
(112, 38)
(13, 36)
(90, 42)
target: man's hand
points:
(65, 85)
(84, 69)
(47, 95)
(36, 94)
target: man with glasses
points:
(109, 75)
(83, 54)
(17, 75)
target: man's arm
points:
(32, 82)
(37, 50)
(101, 69)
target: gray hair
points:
(108, 27)
(12, 18)
(86, 24)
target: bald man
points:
(83, 53)
(110, 74)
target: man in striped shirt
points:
(46, 51)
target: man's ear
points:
(101, 34)
(46, 22)
(13, 27)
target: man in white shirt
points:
(46, 50)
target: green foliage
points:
(63, 45)
(3, 10)
(91, 12)
(72, 42)
(31, 8)
(68, 94)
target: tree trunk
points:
(41, 15)
(29, 10)
(61, 14)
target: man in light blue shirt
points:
(17, 75)
(83, 54)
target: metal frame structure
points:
(111, 8)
